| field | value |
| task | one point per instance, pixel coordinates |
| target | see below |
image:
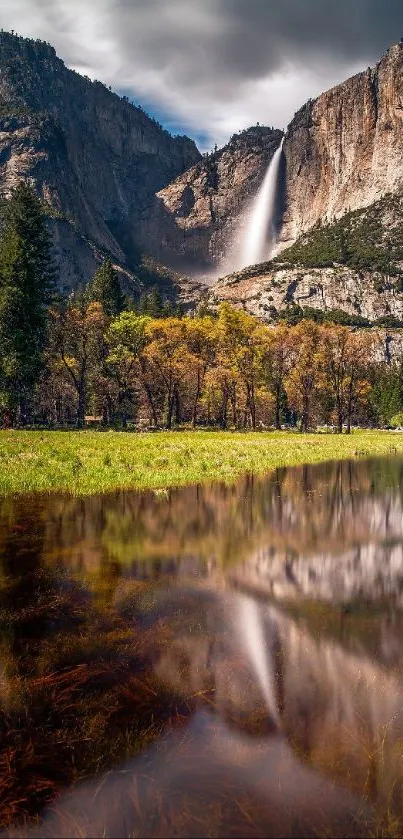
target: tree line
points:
(96, 354)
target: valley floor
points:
(87, 462)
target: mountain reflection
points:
(331, 507)
(181, 649)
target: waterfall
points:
(260, 226)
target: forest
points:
(97, 357)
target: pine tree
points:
(152, 304)
(26, 287)
(104, 288)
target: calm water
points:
(205, 662)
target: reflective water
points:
(216, 661)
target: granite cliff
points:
(96, 159)
(344, 150)
(342, 184)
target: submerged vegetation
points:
(88, 462)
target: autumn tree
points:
(127, 339)
(220, 392)
(240, 342)
(278, 358)
(55, 397)
(77, 336)
(357, 387)
(305, 378)
(342, 351)
(201, 345)
(169, 356)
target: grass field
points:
(88, 462)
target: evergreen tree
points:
(26, 286)
(155, 303)
(104, 288)
(152, 304)
(143, 304)
(167, 310)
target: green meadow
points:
(88, 462)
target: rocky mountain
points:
(114, 182)
(341, 188)
(341, 246)
(96, 160)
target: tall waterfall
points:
(259, 234)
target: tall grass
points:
(82, 463)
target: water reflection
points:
(230, 657)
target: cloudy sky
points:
(212, 67)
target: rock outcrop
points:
(96, 160)
(267, 290)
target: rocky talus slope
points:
(96, 160)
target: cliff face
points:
(193, 219)
(96, 159)
(345, 149)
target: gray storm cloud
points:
(214, 66)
